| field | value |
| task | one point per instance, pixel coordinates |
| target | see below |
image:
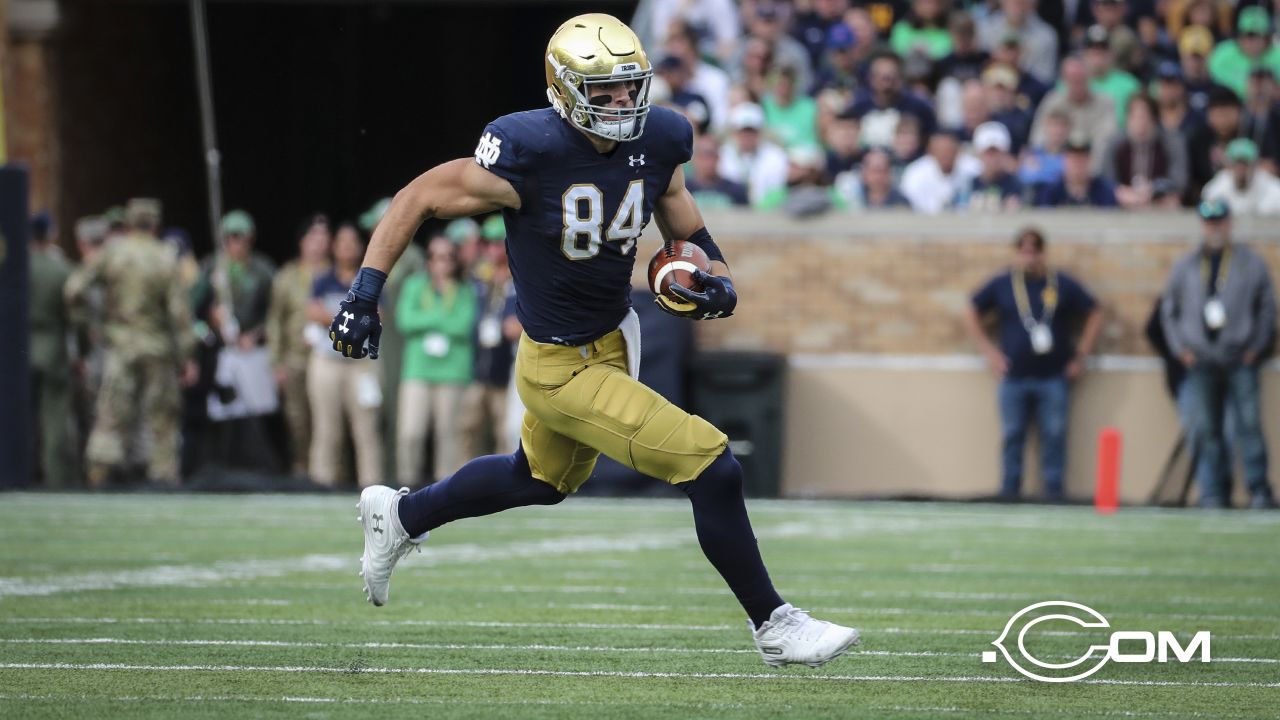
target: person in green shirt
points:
(791, 116)
(249, 275)
(925, 30)
(436, 313)
(1232, 60)
(1104, 77)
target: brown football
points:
(675, 263)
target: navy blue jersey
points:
(572, 243)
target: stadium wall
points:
(887, 397)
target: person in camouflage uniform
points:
(149, 341)
(91, 234)
(50, 362)
(287, 328)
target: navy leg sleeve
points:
(484, 486)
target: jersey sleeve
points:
(501, 151)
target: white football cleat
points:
(385, 541)
(791, 636)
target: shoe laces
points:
(798, 624)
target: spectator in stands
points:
(868, 31)
(812, 26)
(973, 109)
(908, 144)
(1194, 46)
(1176, 116)
(750, 159)
(343, 391)
(1104, 77)
(1079, 187)
(1261, 118)
(844, 145)
(464, 233)
(713, 22)
(1145, 164)
(1213, 15)
(1126, 52)
(1031, 90)
(1093, 115)
(1219, 316)
(806, 192)
(705, 183)
(1000, 85)
(247, 276)
(1232, 60)
(708, 80)
(939, 180)
(485, 404)
(1246, 188)
(1038, 38)
(1036, 307)
(752, 76)
(926, 29)
(886, 103)
(676, 75)
(966, 59)
(768, 23)
(437, 314)
(789, 114)
(841, 64)
(871, 187)
(286, 331)
(1041, 165)
(994, 188)
(1207, 146)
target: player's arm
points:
(458, 188)
(678, 218)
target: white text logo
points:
(1125, 646)
(488, 150)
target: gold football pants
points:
(581, 402)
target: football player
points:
(576, 183)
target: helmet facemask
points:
(591, 110)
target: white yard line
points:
(503, 647)
(355, 670)
(347, 701)
(502, 624)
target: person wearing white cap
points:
(749, 158)
(995, 187)
(938, 180)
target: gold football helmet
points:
(592, 50)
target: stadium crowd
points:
(818, 105)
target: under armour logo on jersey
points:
(633, 161)
(345, 317)
(488, 150)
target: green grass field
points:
(249, 606)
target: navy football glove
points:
(717, 299)
(356, 330)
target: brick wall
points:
(897, 283)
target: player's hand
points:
(717, 299)
(356, 330)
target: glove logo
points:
(345, 317)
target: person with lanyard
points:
(1219, 317)
(1036, 309)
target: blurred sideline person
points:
(149, 345)
(88, 345)
(51, 377)
(1219, 316)
(248, 279)
(1035, 307)
(1244, 185)
(485, 404)
(575, 197)
(342, 391)
(437, 315)
(286, 329)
